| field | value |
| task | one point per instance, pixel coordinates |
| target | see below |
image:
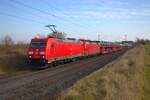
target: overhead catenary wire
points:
(13, 15)
(21, 10)
(25, 19)
(22, 18)
(43, 11)
(28, 6)
(64, 13)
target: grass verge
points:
(147, 73)
(12, 59)
(120, 80)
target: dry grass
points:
(147, 73)
(120, 80)
(12, 58)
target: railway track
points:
(50, 82)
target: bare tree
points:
(142, 41)
(7, 41)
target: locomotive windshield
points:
(38, 44)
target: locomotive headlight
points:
(30, 52)
(42, 52)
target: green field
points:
(147, 73)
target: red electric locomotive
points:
(48, 50)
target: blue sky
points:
(111, 19)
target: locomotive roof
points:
(75, 40)
(71, 38)
(39, 39)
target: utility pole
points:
(125, 37)
(98, 37)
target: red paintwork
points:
(63, 49)
(55, 49)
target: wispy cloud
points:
(107, 13)
(114, 2)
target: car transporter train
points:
(52, 50)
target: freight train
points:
(52, 50)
